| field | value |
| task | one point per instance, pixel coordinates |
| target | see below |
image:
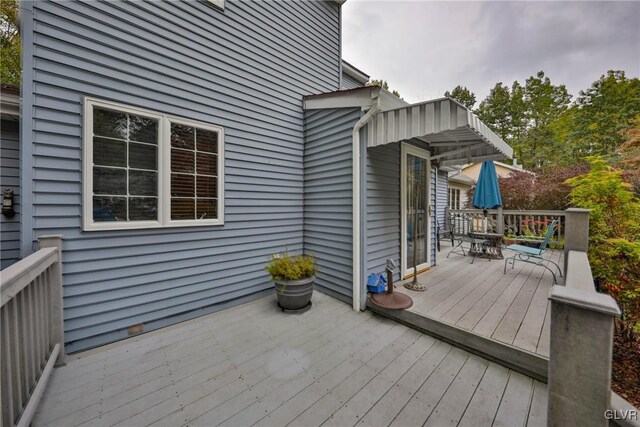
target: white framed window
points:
(145, 169)
(454, 198)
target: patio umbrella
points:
(487, 192)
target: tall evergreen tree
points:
(384, 85)
(602, 113)
(463, 96)
(494, 110)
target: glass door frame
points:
(406, 150)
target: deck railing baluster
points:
(16, 373)
(7, 388)
(31, 331)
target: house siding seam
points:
(328, 202)
(245, 69)
(349, 82)
(10, 179)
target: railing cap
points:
(578, 210)
(588, 300)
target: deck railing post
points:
(581, 345)
(576, 232)
(56, 309)
(500, 220)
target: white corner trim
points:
(357, 217)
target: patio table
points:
(491, 248)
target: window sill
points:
(144, 225)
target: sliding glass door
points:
(415, 209)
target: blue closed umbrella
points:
(487, 192)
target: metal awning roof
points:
(453, 133)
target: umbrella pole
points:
(485, 220)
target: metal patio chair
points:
(534, 255)
(460, 227)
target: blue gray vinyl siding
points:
(328, 197)
(246, 69)
(383, 207)
(10, 179)
(349, 82)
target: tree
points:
(629, 157)
(545, 101)
(463, 95)
(9, 43)
(494, 111)
(523, 117)
(384, 85)
(602, 113)
(614, 235)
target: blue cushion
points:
(525, 249)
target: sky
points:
(424, 48)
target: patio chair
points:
(534, 255)
(444, 232)
(461, 225)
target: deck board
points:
(509, 308)
(254, 365)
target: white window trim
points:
(164, 170)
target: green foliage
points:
(384, 85)
(463, 95)
(523, 116)
(602, 113)
(291, 267)
(494, 111)
(9, 43)
(614, 233)
(546, 190)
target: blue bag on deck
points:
(376, 283)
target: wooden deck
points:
(254, 365)
(482, 306)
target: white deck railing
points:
(516, 222)
(31, 336)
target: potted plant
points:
(293, 276)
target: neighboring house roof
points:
(9, 101)
(355, 73)
(459, 178)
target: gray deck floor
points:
(512, 308)
(253, 365)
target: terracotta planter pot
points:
(294, 294)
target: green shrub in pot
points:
(293, 276)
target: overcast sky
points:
(425, 48)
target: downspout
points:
(355, 167)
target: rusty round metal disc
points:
(394, 301)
